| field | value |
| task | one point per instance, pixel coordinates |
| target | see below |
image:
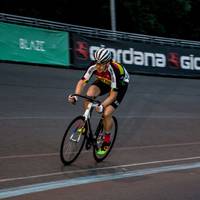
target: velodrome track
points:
(156, 155)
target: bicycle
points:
(79, 132)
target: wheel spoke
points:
(73, 140)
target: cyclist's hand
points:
(72, 99)
(100, 108)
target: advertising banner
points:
(140, 57)
(34, 45)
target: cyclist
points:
(112, 79)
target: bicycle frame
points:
(72, 146)
(87, 116)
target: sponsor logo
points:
(190, 62)
(31, 45)
(131, 56)
(81, 50)
(173, 60)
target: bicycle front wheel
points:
(99, 140)
(73, 140)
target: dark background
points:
(166, 18)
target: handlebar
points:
(88, 98)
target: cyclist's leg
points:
(93, 91)
(97, 88)
(107, 130)
(108, 122)
(109, 110)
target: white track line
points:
(158, 146)
(99, 168)
(114, 149)
(29, 156)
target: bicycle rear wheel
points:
(73, 140)
(99, 140)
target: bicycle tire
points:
(113, 138)
(73, 140)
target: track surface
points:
(156, 155)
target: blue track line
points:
(18, 191)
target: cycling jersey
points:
(116, 75)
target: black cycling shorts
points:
(105, 89)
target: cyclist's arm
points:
(111, 98)
(80, 86)
(84, 80)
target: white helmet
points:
(102, 55)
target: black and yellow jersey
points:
(115, 75)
